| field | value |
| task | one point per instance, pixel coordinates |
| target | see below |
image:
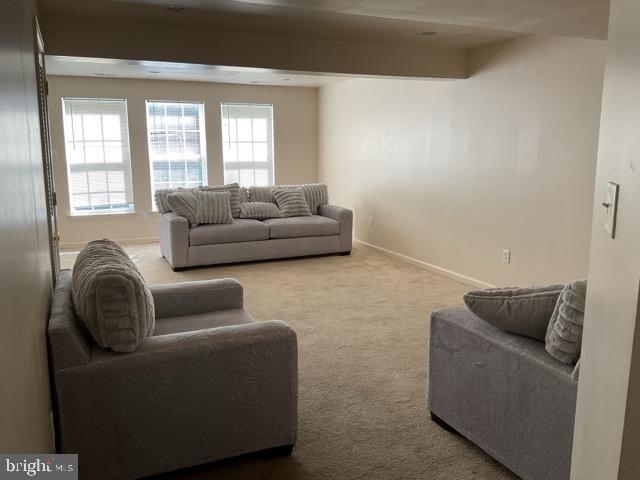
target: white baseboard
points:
(433, 268)
(136, 241)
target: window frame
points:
(127, 167)
(202, 135)
(270, 163)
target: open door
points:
(45, 140)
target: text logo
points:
(47, 466)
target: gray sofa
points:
(503, 392)
(210, 383)
(246, 240)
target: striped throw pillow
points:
(110, 297)
(316, 194)
(213, 207)
(244, 195)
(261, 194)
(291, 202)
(160, 196)
(183, 203)
(233, 189)
(259, 210)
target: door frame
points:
(45, 140)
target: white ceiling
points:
(102, 67)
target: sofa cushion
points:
(241, 230)
(111, 298)
(213, 207)
(234, 191)
(315, 194)
(292, 202)
(183, 202)
(201, 321)
(259, 210)
(261, 194)
(245, 196)
(160, 197)
(564, 333)
(311, 226)
(523, 311)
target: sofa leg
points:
(345, 253)
(179, 269)
(437, 420)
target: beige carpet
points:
(362, 325)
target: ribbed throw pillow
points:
(233, 189)
(160, 197)
(564, 333)
(291, 202)
(261, 194)
(523, 311)
(110, 297)
(213, 207)
(259, 210)
(316, 194)
(245, 195)
(183, 203)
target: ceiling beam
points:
(109, 38)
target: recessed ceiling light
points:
(287, 79)
(105, 74)
(427, 33)
(174, 8)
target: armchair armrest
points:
(174, 239)
(182, 399)
(190, 298)
(344, 217)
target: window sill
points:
(102, 216)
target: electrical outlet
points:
(370, 221)
(506, 256)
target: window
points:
(177, 149)
(247, 143)
(96, 135)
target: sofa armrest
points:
(190, 298)
(181, 399)
(174, 239)
(344, 217)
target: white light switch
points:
(611, 204)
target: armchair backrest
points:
(69, 345)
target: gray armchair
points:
(503, 392)
(211, 383)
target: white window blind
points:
(96, 135)
(177, 150)
(247, 143)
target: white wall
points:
(295, 143)
(25, 268)
(607, 432)
(452, 172)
